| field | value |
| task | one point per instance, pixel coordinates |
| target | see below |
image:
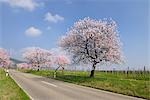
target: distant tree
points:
(23, 66)
(93, 41)
(61, 61)
(4, 58)
(37, 56)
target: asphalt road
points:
(40, 88)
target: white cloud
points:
(33, 32)
(53, 18)
(29, 5)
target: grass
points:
(133, 84)
(9, 90)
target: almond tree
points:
(93, 42)
(61, 61)
(23, 66)
(4, 58)
(37, 56)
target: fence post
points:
(127, 71)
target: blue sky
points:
(42, 22)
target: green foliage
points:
(134, 83)
(9, 90)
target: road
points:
(40, 88)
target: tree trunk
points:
(63, 70)
(38, 68)
(56, 71)
(57, 68)
(93, 70)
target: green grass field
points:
(9, 90)
(133, 84)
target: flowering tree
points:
(4, 58)
(23, 65)
(93, 41)
(61, 61)
(37, 56)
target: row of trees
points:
(89, 41)
(37, 57)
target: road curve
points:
(40, 88)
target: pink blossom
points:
(4, 58)
(62, 60)
(93, 41)
(23, 66)
(37, 56)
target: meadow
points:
(130, 83)
(9, 90)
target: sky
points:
(25, 23)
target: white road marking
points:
(49, 83)
(21, 87)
